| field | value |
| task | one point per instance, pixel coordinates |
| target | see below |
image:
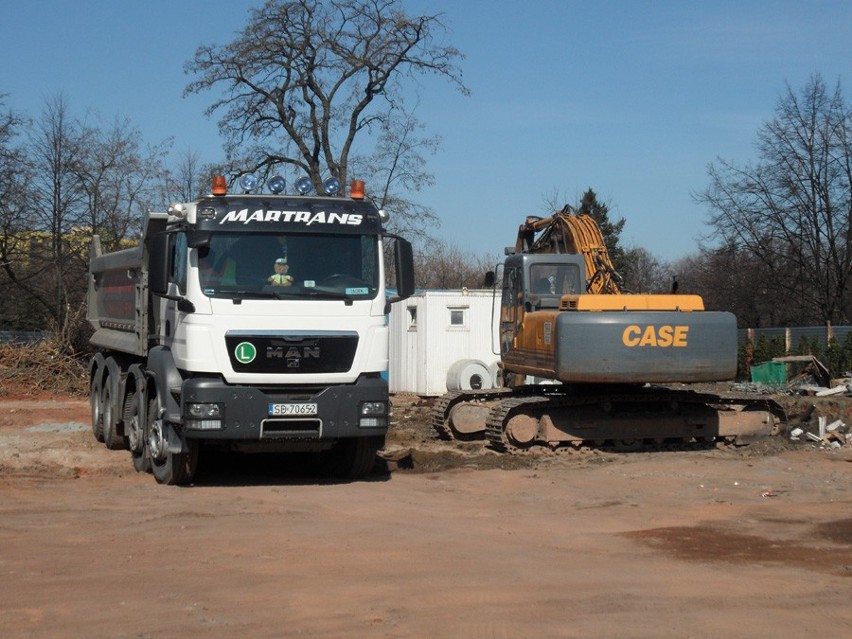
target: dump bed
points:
(119, 307)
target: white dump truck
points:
(254, 322)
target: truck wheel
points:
(135, 430)
(95, 406)
(113, 439)
(354, 458)
(169, 468)
(176, 468)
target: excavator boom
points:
(565, 232)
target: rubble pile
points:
(807, 377)
(834, 435)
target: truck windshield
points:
(308, 266)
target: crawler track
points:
(443, 407)
(636, 419)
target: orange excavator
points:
(584, 363)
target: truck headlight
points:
(373, 415)
(204, 416)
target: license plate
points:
(283, 410)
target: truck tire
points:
(172, 469)
(95, 406)
(175, 469)
(354, 458)
(134, 428)
(113, 439)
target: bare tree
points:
(304, 78)
(734, 280)
(189, 178)
(439, 265)
(644, 273)
(63, 182)
(16, 215)
(56, 148)
(118, 176)
(397, 166)
(792, 209)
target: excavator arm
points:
(565, 232)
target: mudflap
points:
(174, 442)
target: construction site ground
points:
(443, 540)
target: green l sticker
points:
(245, 352)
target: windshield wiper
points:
(328, 295)
(238, 295)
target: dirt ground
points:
(444, 540)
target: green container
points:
(770, 374)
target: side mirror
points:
(489, 279)
(404, 263)
(158, 264)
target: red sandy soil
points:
(449, 540)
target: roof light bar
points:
(276, 184)
(248, 182)
(220, 186)
(331, 186)
(304, 185)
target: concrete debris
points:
(833, 435)
(761, 389)
(836, 390)
(805, 375)
(836, 425)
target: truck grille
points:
(290, 428)
(295, 354)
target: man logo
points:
(292, 352)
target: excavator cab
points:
(533, 283)
(549, 281)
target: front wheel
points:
(175, 469)
(354, 458)
(168, 468)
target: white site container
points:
(443, 340)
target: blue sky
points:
(633, 99)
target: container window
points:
(458, 317)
